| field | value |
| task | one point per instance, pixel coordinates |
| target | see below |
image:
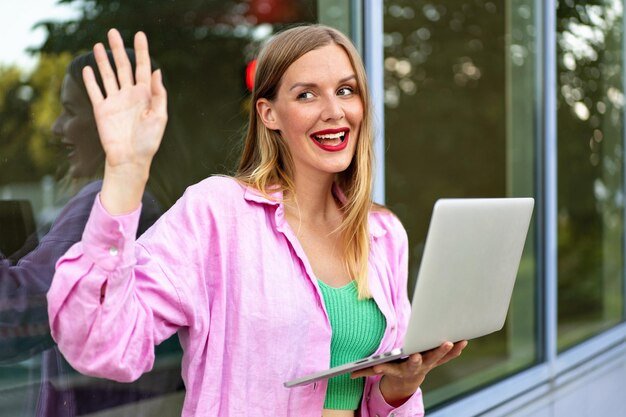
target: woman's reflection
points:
(75, 126)
(24, 329)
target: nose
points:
(57, 126)
(333, 110)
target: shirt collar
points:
(275, 199)
(252, 194)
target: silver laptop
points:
(466, 277)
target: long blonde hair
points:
(266, 162)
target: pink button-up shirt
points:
(224, 269)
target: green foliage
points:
(590, 160)
(47, 80)
(29, 104)
(14, 127)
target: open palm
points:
(131, 118)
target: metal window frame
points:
(372, 12)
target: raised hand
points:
(131, 119)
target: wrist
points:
(135, 172)
(396, 391)
(122, 189)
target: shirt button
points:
(113, 251)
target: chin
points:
(339, 169)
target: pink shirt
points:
(224, 269)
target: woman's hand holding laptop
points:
(401, 380)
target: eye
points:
(345, 91)
(305, 95)
(68, 111)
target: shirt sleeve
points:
(378, 407)
(110, 303)
(24, 329)
(397, 249)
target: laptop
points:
(465, 280)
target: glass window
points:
(590, 127)
(460, 122)
(51, 160)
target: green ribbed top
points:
(358, 327)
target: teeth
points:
(331, 135)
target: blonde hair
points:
(267, 164)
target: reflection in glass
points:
(460, 122)
(26, 274)
(590, 168)
(203, 50)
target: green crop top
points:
(358, 327)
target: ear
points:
(265, 110)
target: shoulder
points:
(215, 185)
(216, 195)
(384, 223)
(214, 192)
(90, 190)
(216, 201)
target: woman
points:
(260, 274)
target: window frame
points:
(554, 370)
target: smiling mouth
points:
(330, 139)
(68, 148)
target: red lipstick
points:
(316, 138)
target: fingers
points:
(444, 353)
(122, 64)
(93, 90)
(109, 80)
(434, 356)
(363, 373)
(143, 72)
(159, 94)
(455, 352)
(416, 364)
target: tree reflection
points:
(590, 103)
(459, 96)
(409, 46)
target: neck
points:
(313, 200)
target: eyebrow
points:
(308, 85)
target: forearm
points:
(398, 392)
(112, 336)
(24, 327)
(111, 339)
(123, 188)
